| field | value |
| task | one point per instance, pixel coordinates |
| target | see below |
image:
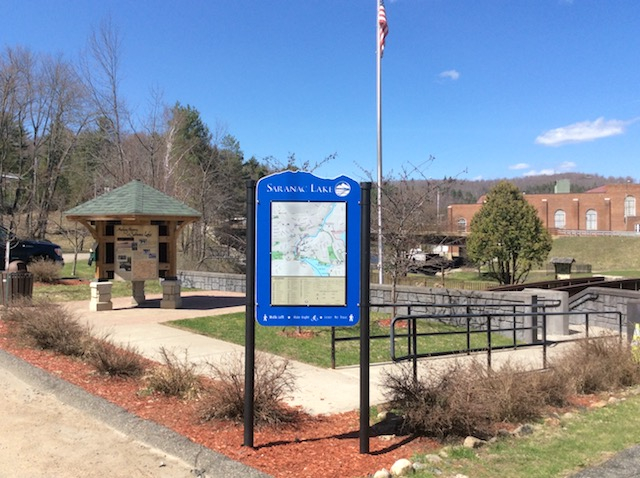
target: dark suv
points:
(28, 250)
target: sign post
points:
(307, 265)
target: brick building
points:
(609, 209)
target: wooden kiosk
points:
(136, 230)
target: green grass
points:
(65, 293)
(313, 346)
(584, 440)
(83, 270)
(603, 253)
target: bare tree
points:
(101, 73)
(407, 215)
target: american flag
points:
(383, 28)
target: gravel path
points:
(51, 428)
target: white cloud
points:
(567, 166)
(542, 172)
(517, 167)
(450, 74)
(583, 132)
(562, 168)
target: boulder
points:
(402, 467)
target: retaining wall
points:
(453, 301)
(603, 299)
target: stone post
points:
(100, 296)
(171, 294)
(137, 289)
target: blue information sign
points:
(307, 250)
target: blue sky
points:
(490, 88)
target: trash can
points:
(17, 283)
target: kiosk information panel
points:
(307, 250)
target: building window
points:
(560, 219)
(592, 220)
(629, 206)
(462, 225)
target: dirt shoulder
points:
(49, 427)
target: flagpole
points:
(379, 43)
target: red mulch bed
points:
(317, 446)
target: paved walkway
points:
(318, 390)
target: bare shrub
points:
(598, 364)
(224, 399)
(515, 391)
(110, 359)
(45, 270)
(21, 310)
(464, 400)
(50, 326)
(556, 388)
(448, 404)
(175, 376)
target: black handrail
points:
(539, 303)
(413, 353)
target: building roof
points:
(131, 201)
(562, 260)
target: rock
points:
(524, 430)
(384, 473)
(419, 466)
(473, 442)
(435, 459)
(402, 467)
(460, 475)
(552, 421)
(599, 404)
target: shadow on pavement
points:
(198, 302)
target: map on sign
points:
(308, 253)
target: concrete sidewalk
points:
(318, 390)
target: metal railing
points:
(537, 329)
(450, 317)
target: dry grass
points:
(44, 270)
(224, 399)
(48, 326)
(176, 376)
(110, 359)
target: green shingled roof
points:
(132, 199)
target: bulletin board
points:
(136, 252)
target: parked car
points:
(28, 250)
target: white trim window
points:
(560, 219)
(629, 206)
(591, 220)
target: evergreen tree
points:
(507, 235)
